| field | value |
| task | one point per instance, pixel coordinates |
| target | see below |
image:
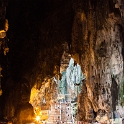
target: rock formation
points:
(38, 30)
(97, 38)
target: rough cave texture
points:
(97, 38)
(38, 29)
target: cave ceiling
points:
(38, 27)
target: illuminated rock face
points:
(95, 39)
(99, 42)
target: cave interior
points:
(61, 53)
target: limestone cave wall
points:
(97, 38)
(37, 31)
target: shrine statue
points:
(70, 78)
(62, 83)
(74, 76)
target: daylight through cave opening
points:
(34, 63)
(58, 97)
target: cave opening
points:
(41, 39)
(57, 99)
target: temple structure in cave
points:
(60, 106)
(62, 61)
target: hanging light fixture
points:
(2, 33)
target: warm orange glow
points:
(37, 118)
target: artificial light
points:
(37, 118)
